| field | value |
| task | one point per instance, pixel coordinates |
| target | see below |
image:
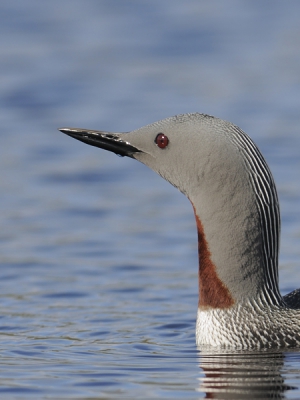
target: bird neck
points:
(238, 236)
(238, 223)
(212, 291)
(235, 270)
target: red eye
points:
(161, 140)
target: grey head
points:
(219, 168)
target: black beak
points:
(104, 140)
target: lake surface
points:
(98, 255)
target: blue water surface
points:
(98, 255)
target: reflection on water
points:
(243, 375)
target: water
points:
(98, 256)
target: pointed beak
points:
(105, 140)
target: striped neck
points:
(268, 209)
(238, 236)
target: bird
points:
(219, 168)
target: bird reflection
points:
(243, 375)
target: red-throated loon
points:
(222, 172)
